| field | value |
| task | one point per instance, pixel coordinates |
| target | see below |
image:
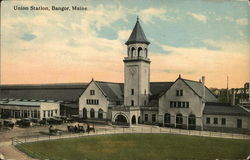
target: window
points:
(181, 92)
(146, 117)
(92, 101)
(223, 121)
(56, 111)
(51, 113)
(145, 103)
(208, 120)
(38, 114)
(44, 113)
(174, 104)
(177, 92)
(145, 91)
(239, 123)
(187, 104)
(153, 117)
(132, 91)
(215, 120)
(48, 113)
(179, 104)
(171, 104)
(118, 103)
(132, 102)
(183, 104)
(92, 92)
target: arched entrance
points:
(192, 122)
(133, 119)
(121, 120)
(92, 113)
(100, 114)
(179, 120)
(167, 119)
(84, 113)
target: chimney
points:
(203, 87)
(233, 96)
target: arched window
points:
(191, 121)
(140, 52)
(100, 114)
(134, 120)
(84, 113)
(146, 52)
(92, 113)
(133, 51)
(179, 120)
(128, 51)
(167, 118)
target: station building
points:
(183, 103)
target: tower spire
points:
(137, 35)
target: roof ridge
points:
(109, 82)
(45, 84)
(190, 80)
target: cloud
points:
(198, 17)
(242, 21)
(28, 36)
(150, 13)
(232, 59)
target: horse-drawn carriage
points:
(90, 128)
(54, 131)
(76, 128)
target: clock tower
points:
(136, 69)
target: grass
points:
(138, 147)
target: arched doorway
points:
(92, 113)
(139, 119)
(167, 119)
(133, 119)
(179, 120)
(121, 120)
(100, 114)
(192, 122)
(84, 113)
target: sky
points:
(193, 38)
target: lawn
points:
(138, 147)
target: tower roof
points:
(137, 35)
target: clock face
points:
(132, 70)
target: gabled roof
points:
(114, 91)
(59, 92)
(137, 35)
(197, 88)
(224, 109)
(157, 88)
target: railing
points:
(140, 129)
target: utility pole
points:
(227, 90)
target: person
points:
(87, 127)
(75, 128)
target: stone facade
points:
(93, 102)
(186, 104)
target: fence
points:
(136, 129)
